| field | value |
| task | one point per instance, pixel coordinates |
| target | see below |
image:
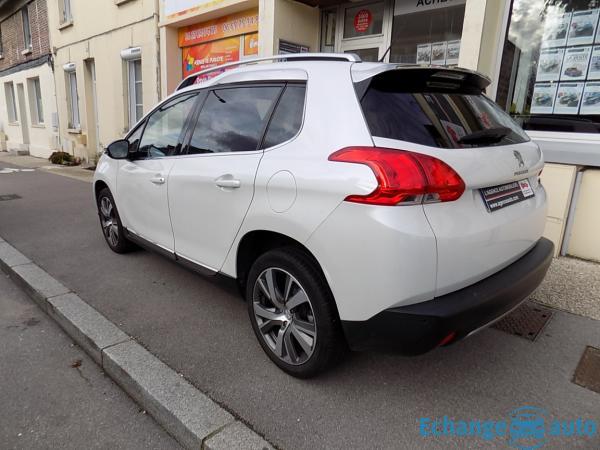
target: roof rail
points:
(351, 57)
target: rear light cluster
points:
(403, 177)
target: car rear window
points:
(434, 113)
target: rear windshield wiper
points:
(487, 135)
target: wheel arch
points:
(98, 186)
(257, 242)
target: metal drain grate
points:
(587, 373)
(526, 321)
(6, 197)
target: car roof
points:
(297, 67)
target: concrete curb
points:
(192, 418)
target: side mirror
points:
(118, 149)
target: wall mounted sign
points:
(414, 6)
(212, 54)
(362, 20)
(231, 25)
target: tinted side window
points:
(437, 119)
(164, 126)
(287, 118)
(233, 119)
(134, 138)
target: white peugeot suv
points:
(357, 204)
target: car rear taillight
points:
(403, 177)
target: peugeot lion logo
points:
(519, 158)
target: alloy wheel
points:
(284, 315)
(109, 221)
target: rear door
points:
(212, 185)
(501, 214)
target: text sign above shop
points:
(414, 6)
(174, 8)
(231, 25)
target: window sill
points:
(67, 24)
(27, 51)
(74, 130)
(14, 124)
(121, 2)
(38, 125)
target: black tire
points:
(328, 344)
(114, 235)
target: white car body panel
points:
(142, 200)
(373, 257)
(205, 216)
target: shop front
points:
(209, 44)
(550, 82)
(404, 31)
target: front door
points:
(365, 29)
(142, 179)
(212, 185)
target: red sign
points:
(362, 20)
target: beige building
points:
(106, 69)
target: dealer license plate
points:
(503, 195)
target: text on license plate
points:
(497, 197)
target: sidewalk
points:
(53, 395)
(30, 162)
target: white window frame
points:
(35, 101)
(27, 39)
(66, 13)
(73, 100)
(133, 86)
(11, 104)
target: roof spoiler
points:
(411, 78)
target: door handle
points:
(158, 180)
(226, 181)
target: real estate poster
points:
(549, 64)
(568, 98)
(543, 98)
(583, 27)
(555, 30)
(590, 103)
(211, 54)
(438, 53)
(453, 52)
(575, 63)
(594, 70)
(424, 54)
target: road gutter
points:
(187, 414)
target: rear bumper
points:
(418, 328)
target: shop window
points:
(35, 101)
(11, 105)
(550, 72)
(427, 36)
(26, 28)
(363, 20)
(135, 103)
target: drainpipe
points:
(158, 66)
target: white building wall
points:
(40, 139)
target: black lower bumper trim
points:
(418, 328)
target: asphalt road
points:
(200, 328)
(53, 395)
